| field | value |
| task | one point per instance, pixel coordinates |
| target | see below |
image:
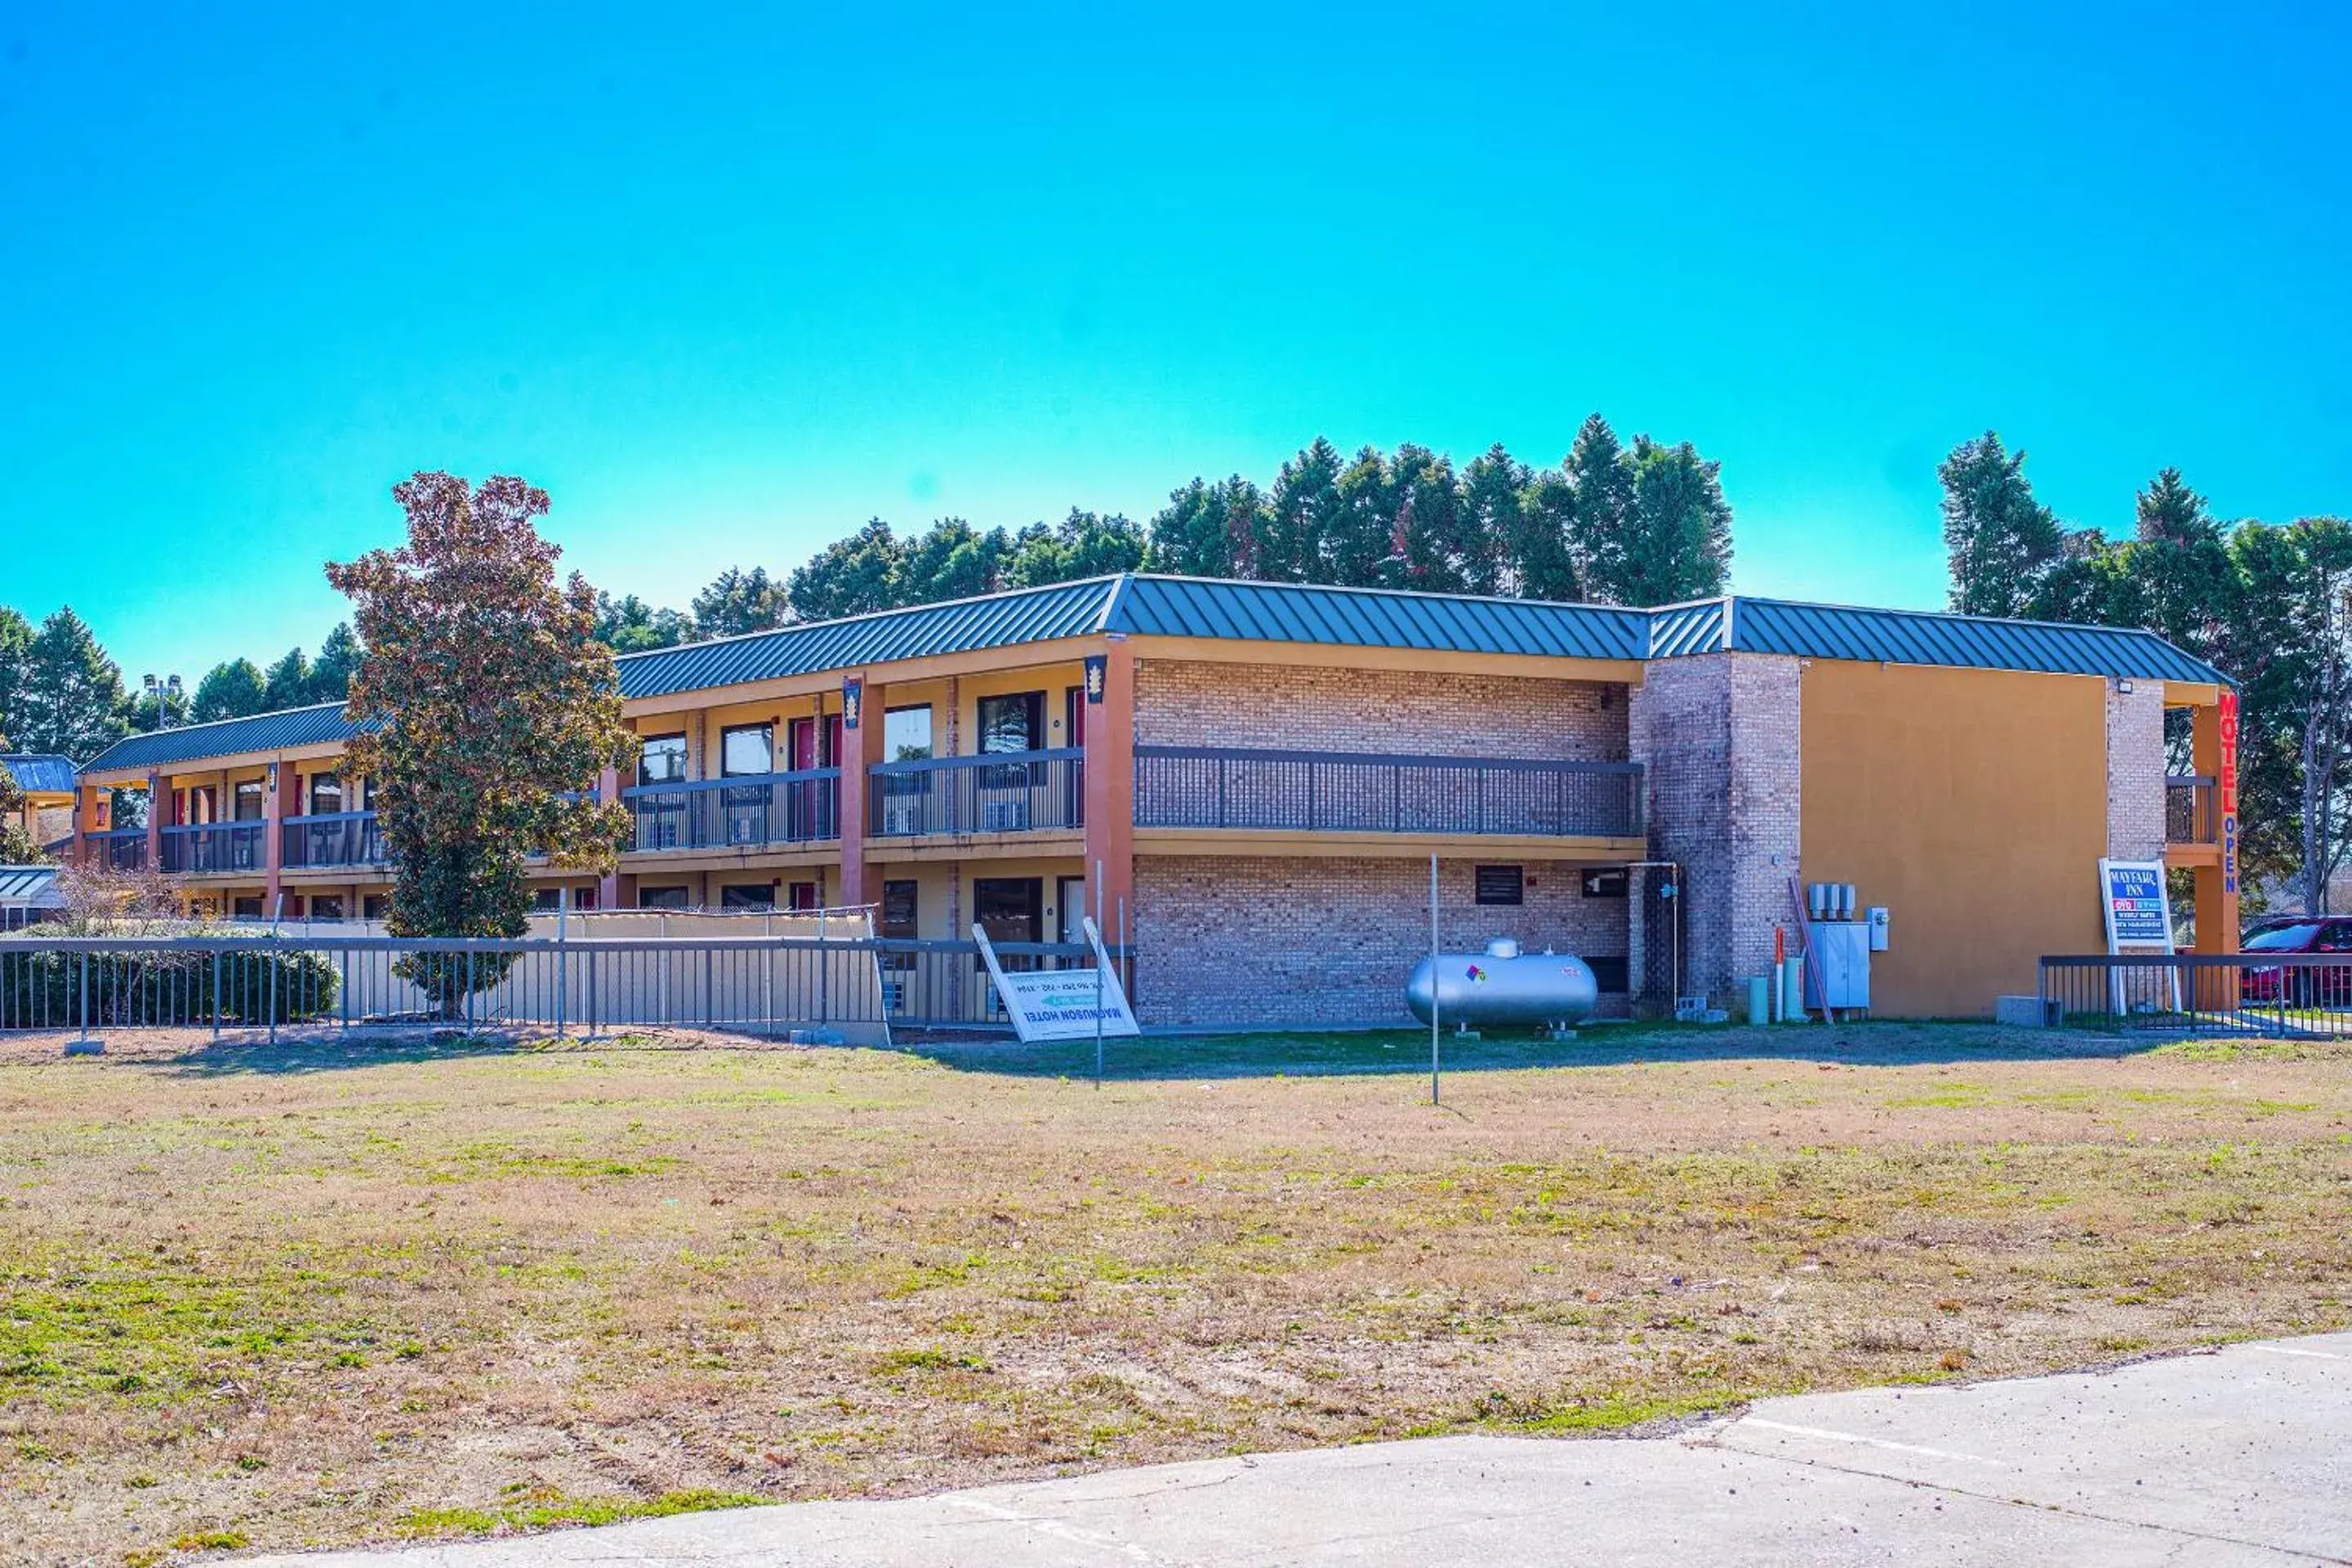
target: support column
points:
(862, 710)
(2213, 741)
(154, 821)
(1110, 786)
(274, 793)
(89, 819)
(608, 792)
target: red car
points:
(2312, 985)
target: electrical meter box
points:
(1876, 921)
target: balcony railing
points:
(746, 812)
(2192, 809)
(124, 849)
(1346, 792)
(214, 846)
(332, 838)
(1001, 792)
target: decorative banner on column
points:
(852, 701)
(1098, 671)
(2227, 782)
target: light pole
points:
(166, 692)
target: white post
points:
(1098, 976)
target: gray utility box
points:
(1839, 976)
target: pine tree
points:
(738, 602)
(952, 560)
(1678, 539)
(73, 703)
(339, 660)
(15, 669)
(1302, 511)
(286, 683)
(229, 690)
(1600, 477)
(2000, 539)
(848, 577)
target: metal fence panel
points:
(2284, 995)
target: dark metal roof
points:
(1141, 604)
(39, 772)
(1374, 617)
(1922, 637)
(960, 625)
(227, 738)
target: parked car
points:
(2303, 986)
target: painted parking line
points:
(1827, 1435)
(2290, 1350)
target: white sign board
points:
(1061, 1003)
(2138, 909)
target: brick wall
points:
(1228, 940)
(1312, 708)
(2135, 769)
(1721, 737)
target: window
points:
(746, 750)
(801, 897)
(2336, 936)
(547, 901)
(1608, 974)
(246, 802)
(906, 734)
(1014, 723)
(1501, 885)
(373, 906)
(1605, 884)
(898, 901)
(661, 897)
(326, 906)
(245, 909)
(326, 793)
(662, 761)
(1010, 908)
(762, 896)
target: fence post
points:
(273, 995)
(85, 995)
(345, 988)
(824, 970)
(216, 993)
(709, 997)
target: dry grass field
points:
(325, 1294)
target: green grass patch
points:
(549, 1512)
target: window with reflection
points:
(662, 761)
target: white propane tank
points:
(1504, 986)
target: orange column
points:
(608, 888)
(1110, 786)
(273, 791)
(88, 817)
(861, 748)
(2213, 739)
(157, 803)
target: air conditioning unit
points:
(744, 830)
(902, 818)
(1004, 816)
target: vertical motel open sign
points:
(2226, 782)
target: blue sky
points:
(728, 283)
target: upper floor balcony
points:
(2192, 811)
(333, 839)
(214, 846)
(1358, 792)
(746, 812)
(122, 849)
(998, 792)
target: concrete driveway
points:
(2238, 1457)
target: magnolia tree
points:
(488, 707)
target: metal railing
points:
(213, 847)
(743, 813)
(2297, 994)
(1208, 787)
(596, 985)
(122, 849)
(999, 792)
(332, 838)
(2191, 811)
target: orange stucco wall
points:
(1973, 805)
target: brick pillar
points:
(608, 888)
(1110, 791)
(2213, 739)
(861, 749)
(273, 793)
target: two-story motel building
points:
(1261, 773)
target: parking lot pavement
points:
(2238, 1457)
